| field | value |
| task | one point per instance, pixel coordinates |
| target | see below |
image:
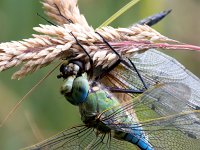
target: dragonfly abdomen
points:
(139, 141)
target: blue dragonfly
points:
(160, 118)
(161, 112)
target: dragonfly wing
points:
(174, 133)
(161, 100)
(154, 67)
(107, 142)
(74, 138)
(80, 138)
(166, 69)
(113, 81)
(181, 131)
(162, 113)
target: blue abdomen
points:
(138, 140)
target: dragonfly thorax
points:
(96, 123)
(98, 100)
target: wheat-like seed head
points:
(56, 42)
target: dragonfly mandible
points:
(160, 118)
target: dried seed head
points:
(56, 42)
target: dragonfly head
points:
(70, 68)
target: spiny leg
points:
(150, 21)
(90, 59)
(105, 71)
(119, 90)
(123, 61)
(140, 77)
(91, 65)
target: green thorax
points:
(98, 100)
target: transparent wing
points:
(79, 138)
(154, 67)
(163, 114)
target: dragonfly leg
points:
(67, 19)
(109, 45)
(90, 59)
(119, 90)
(78, 66)
(139, 75)
(150, 21)
(121, 60)
(107, 70)
(104, 72)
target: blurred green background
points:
(46, 112)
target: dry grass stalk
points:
(56, 42)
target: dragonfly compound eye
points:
(73, 67)
(67, 70)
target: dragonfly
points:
(151, 20)
(160, 118)
(112, 124)
(120, 76)
(125, 84)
